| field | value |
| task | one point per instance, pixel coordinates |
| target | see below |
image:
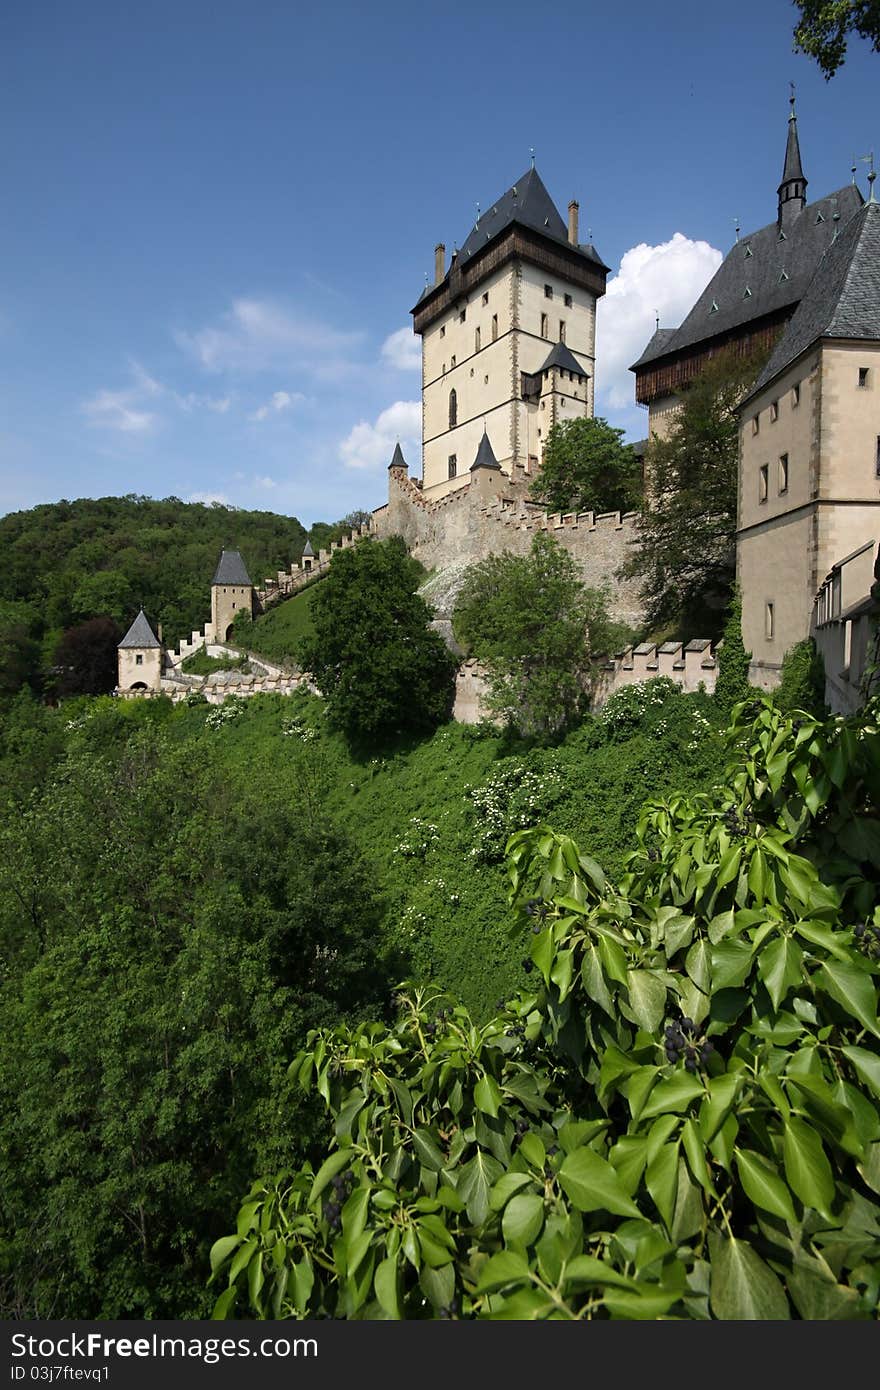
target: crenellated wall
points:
(467, 525)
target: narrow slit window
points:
(763, 483)
(774, 410)
(783, 473)
(453, 465)
(494, 328)
(544, 325)
(769, 621)
(476, 340)
(863, 376)
(795, 394)
(562, 330)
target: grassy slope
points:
(435, 851)
(275, 633)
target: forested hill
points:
(66, 562)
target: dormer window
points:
(748, 251)
(819, 218)
(747, 294)
(713, 308)
(782, 236)
(783, 276)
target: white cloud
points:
(403, 350)
(371, 446)
(257, 335)
(264, 482)
(664, 280)
(118, 410)
(280, 400)
(209, 497)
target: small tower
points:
(792, 192)
(485, 470)
(231, 591)
(308, 556)
(139, 657)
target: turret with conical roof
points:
(231, 593)
(139, 657)
(792, 191)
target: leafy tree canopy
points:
(587, 467)
(86, 658)
(825, 27)
(380, 667)
(686, 552)
(679, 1118)
(537, 630)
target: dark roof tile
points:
(230, 569)
(140, 634)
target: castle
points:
(508, 350)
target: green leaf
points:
(646, 1303)
(763, 1185)
(474, 1183)
(698, 963)
(866, 1064)
(594, 980)
(438, 1285)
(385, 1284)
(587, 1269)
(870, 1167)
(673, 1095)
(661, 1181)
(222, 1249)
(628, 1158)
(255, 1279)
(780, 966)
(338, 1160)
(224, 1303)
(561, 972)
(694, 1149)
(819, 1299)
(723, 1091)
(637, 1087)
(532, 1149)
(806, 1166)
(428, 1152)
(613, 959)
(731, 963)
(506, 1187)
(647, 998)
(523, 1218)
(507, 1267)
(741, 1285)
(728, 866)
(487, 1095)
(303, 1283)
(592, 1184)
(853, 990)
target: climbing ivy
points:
(681, 1119)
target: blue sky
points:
(217, 216)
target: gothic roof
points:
(765, 272)
(308, 552)
(230, 569)
(397, 459)
(528, 203)
(792, 171)
(843, 298)
(485, 455)
(562, 356)
(140, 634)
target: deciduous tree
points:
(825, 27)
(587, 467)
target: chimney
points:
(439, 262)
(573, 209)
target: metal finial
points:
(478, 214)
(532, 154)
(791, 101)
(656, 319)
(590, 234)
(426, 279)
(736, 225)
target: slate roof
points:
(528, 203)
(230, 569)
(762, 274)
(308, 552)
(140, 634)
(485, 455)
(843, 298)
(792, 170)
(562, 356)
(397, 459)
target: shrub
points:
(802, 685)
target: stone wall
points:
(466, 526)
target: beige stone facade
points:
(139, 668)
(809, 490)
(227, 601)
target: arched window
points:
(453, 409)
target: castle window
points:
(863, 376)
(476, 340)
(494, 327)
(548, 291)
(444, 368)
(756, 423)
(562, 330)
(774, 410)
(795, 394)
(877, 464)
(139, 660)
(568, 301)
(485, 381)
(443, 330)
(462, 315)
(783, 473)
(453, 465)
(486, 297)
(453, 409)
(763, 482)
(769, 621)
(544, 325)
(452, 362)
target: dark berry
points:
(528, 966)
(690, 1064)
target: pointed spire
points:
(397, 459)
(140, 634)
(792, 191)
(485, 455)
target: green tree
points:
(678, 1117)
(380, 667)
(825, 26)
(802, 682)
(685, 554)
(19, 651)
(86, 658)
(537, 631)
(587, 467)
(732, 683)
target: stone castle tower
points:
(231, 591)
(508, 335)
